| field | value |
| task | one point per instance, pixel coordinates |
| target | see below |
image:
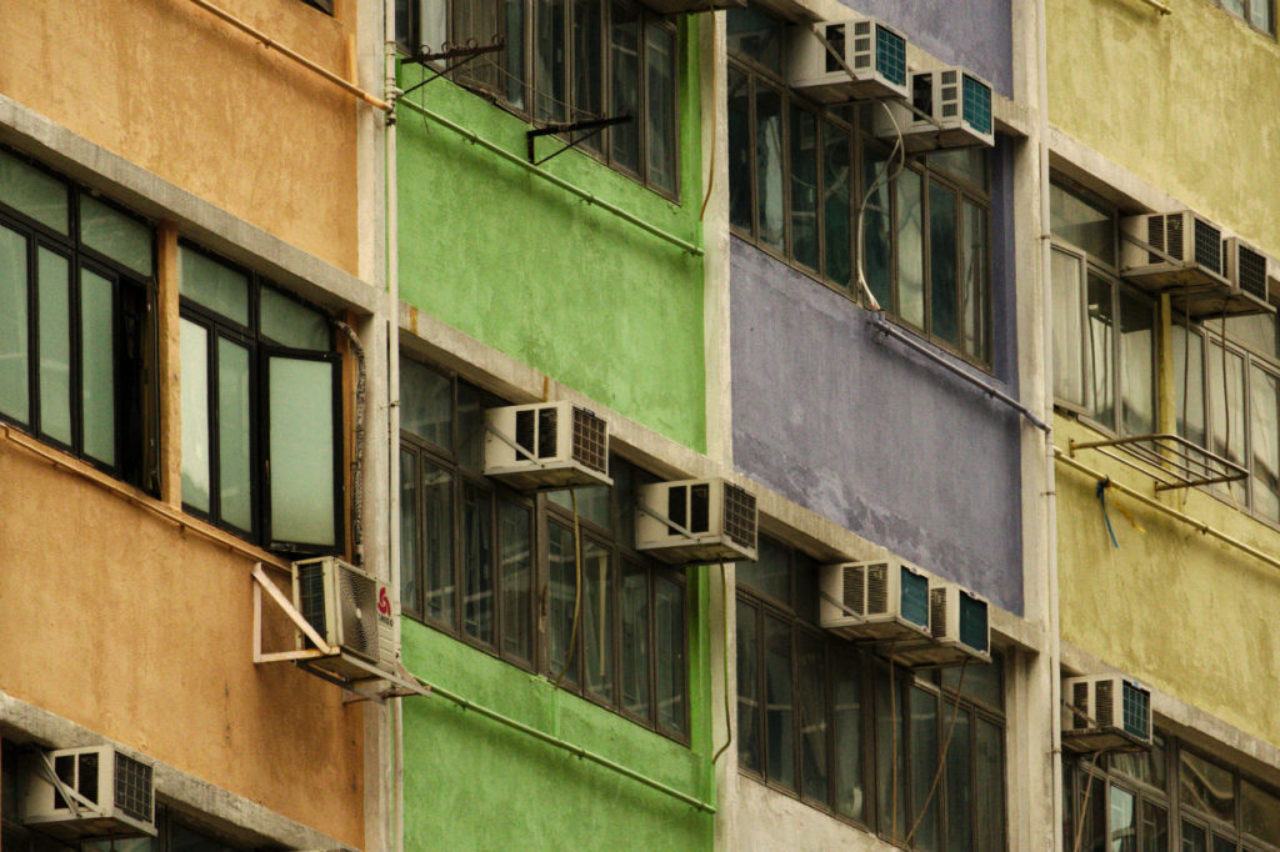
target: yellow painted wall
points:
(117, 620)
(167, 85)
(1190, 102)
(1189, 615)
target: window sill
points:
(142, 500)
(808, 803)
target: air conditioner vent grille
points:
(1251, 271)
(311, 596)
(877, 589)
(973, 622)
(891, 56)
(915, 597)
(977, 104)
(590, 440)
(133, 788)
(855, 589)
(359, 612)
(1155, 237)
(1208, 246)
(739, 516)
(1137, 712)
(1080, 701)
(1103, 702)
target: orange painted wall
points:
(117, 620)
(169, 86)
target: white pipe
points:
(1051, 507)
(392, 221)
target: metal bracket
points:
(506, 439)
(592, 127)
(322, 649)
(464, 54)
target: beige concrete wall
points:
(1189, 615)
(167, 85)
(1189, 102)
(116, 619)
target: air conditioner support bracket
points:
(261, 582)
(658, 516)
(592, 127)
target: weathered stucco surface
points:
(537, 273)
(1200, 122)
(114, 619)
(200, 104)
(1190, 615)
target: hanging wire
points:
(942, 764)
(883, 178)
(1084, 806)
(728, 719)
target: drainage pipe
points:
(586, 196)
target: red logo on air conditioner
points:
(384, 602)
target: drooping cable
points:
(942, 764)
(728, 719)
(882, 179)
(1084, 806)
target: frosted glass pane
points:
(194, 342)
(116, 235)
(291, 324)
(14, 399)
(214, 285)
(301, 451)
(234, 486)
(97, 368)
(39, 195)
(55, 346)
(1068, 333)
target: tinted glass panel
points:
(1068, 335)
(33, 192)
(635, 640)
(973, 279)
(771, 573)
(661, 87)
(959, 782)
(847, 766)
(292, 324)
(1188, 378)
(924, 765)
(669, 628)
(234, 460)
(517, 579)
(1206, 786)
(593, 504)
(811, 703)
(891, 777)
(877, 236)
(838, 232)
(910, 231)
(437, 541)
(302, 480)
(588, 48)
(120, 237)
(215, 286)
(779, 721)
(55, 345)
(756, 35)
(410, 548)
(1227, 409)
(477, 563)
(804, 187)
(1100, 349)
(749, 715)
(1264, 401)
(426, 403)
(625, 66)
(1155, 828)
(97, 367)
(1082, 223)
(14, 357)
(1137, 351)
(563, 598)
(989, 786)
(1260, 812)
(597, 617)
(740, 165)
(770, 169)
(943, 280)
(196, 453)
(549, 60)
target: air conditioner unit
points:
(1246, 272)
(959, 622)
(887, 599)
(1108, 712)
(958, 106)
(1188, 256)
(875, 53)
(351, 611)
(102, 792)
(696, 521)
(546, 445)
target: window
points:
(1227, 378)
(322, 5)
(799, 173)
(569, 61)
(474, 555)
(1104, 335)
(261, 410)
(77, 331)
(1171, 798)
(1258, 13)
(817, 719)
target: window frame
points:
(543, 512)
(261, 348)
(145, 450)
(1247, 15)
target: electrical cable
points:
(942, 764)
(728, 719)
(577, 594)
(1084, 806)
(899, 150)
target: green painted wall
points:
(473, 784)
(534, 271)
(1189, 102)
(1187, 614)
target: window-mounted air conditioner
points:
(1188, 253)
(886, 599)
(351, 611)
(1246, 271)
(959, 622)
(546, 445)
(696, 521)
(875, 55)
(958, 106)
(1107, 712)
(100, 792)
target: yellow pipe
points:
(296, 57)
(1204, 528)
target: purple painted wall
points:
(977, 34)
(873, 436)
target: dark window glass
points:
(779, 683)
(660, 83)
(837, 244)
(477, 555)
(437, 538)
(564, 600)
(804, 188)
(516, 572)
(597, 618)
(943, 278)
(959, 780)
(811, 704)
(635, 640)
(1206, 786)
(624, 45)
(749, 709)
(410, 548)
(670, 651)
(924, 768)
(741, 167)
(770, 199)
(847, 715)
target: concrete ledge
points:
(195, 800)
(157, 198)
